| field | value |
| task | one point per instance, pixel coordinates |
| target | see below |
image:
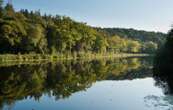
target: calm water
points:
(120, 84)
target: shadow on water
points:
(64, 78)
(163, 76)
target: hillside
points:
(141, 35)
(24, 32)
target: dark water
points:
(119, 84)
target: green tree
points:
(100, 44)
(134, 46)
(150, 47)
(9, 10)
(36, 38)
(1, 8)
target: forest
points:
(143, 36)
(28, 32)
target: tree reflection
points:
(64, 78)
(163, 72)
(159, 102)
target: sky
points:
(149, 15)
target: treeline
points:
(27, 32)
(143, 36)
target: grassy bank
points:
(54, 57)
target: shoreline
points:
(56, 57)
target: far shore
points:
(55, 57)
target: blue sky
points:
(151, 15)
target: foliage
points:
(163, 66)
(143, 36)
(150, 47)
(30, 32)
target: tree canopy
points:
(31, 32)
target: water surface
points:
(119, 84)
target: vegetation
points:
(164, 54)
(143, 36)
(27, 32)
(163, 65)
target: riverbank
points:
(54, 57)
